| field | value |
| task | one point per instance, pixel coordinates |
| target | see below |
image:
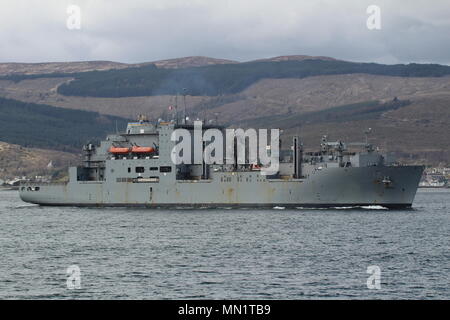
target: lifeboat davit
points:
(137, 149)
(119, 150)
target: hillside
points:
(17, 68)
(215, 79)
(417, 130)
(38, 125)
(188, 62)
(223, 79)
(296, 58)
(16, 160)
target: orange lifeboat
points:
(137, 149)
(255, 167)
(118, 150)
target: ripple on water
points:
(225, 253)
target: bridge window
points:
(153, 168)
(165, 169)
(139, 169)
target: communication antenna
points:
(366, 133)
(216, 114)
(184, 101)
(176, 108)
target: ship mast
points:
(184, 101)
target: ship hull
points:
(388, 186)
(392, 206)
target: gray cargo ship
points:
(135, 168)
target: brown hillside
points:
(56, 67)
(17, 161)
(297, 58)
(185, 62)
(15, 68)
(419, 131)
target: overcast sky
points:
(139, 30)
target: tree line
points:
(44, 126)
(217, 80)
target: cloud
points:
(138, 30)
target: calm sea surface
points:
(225, 254)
